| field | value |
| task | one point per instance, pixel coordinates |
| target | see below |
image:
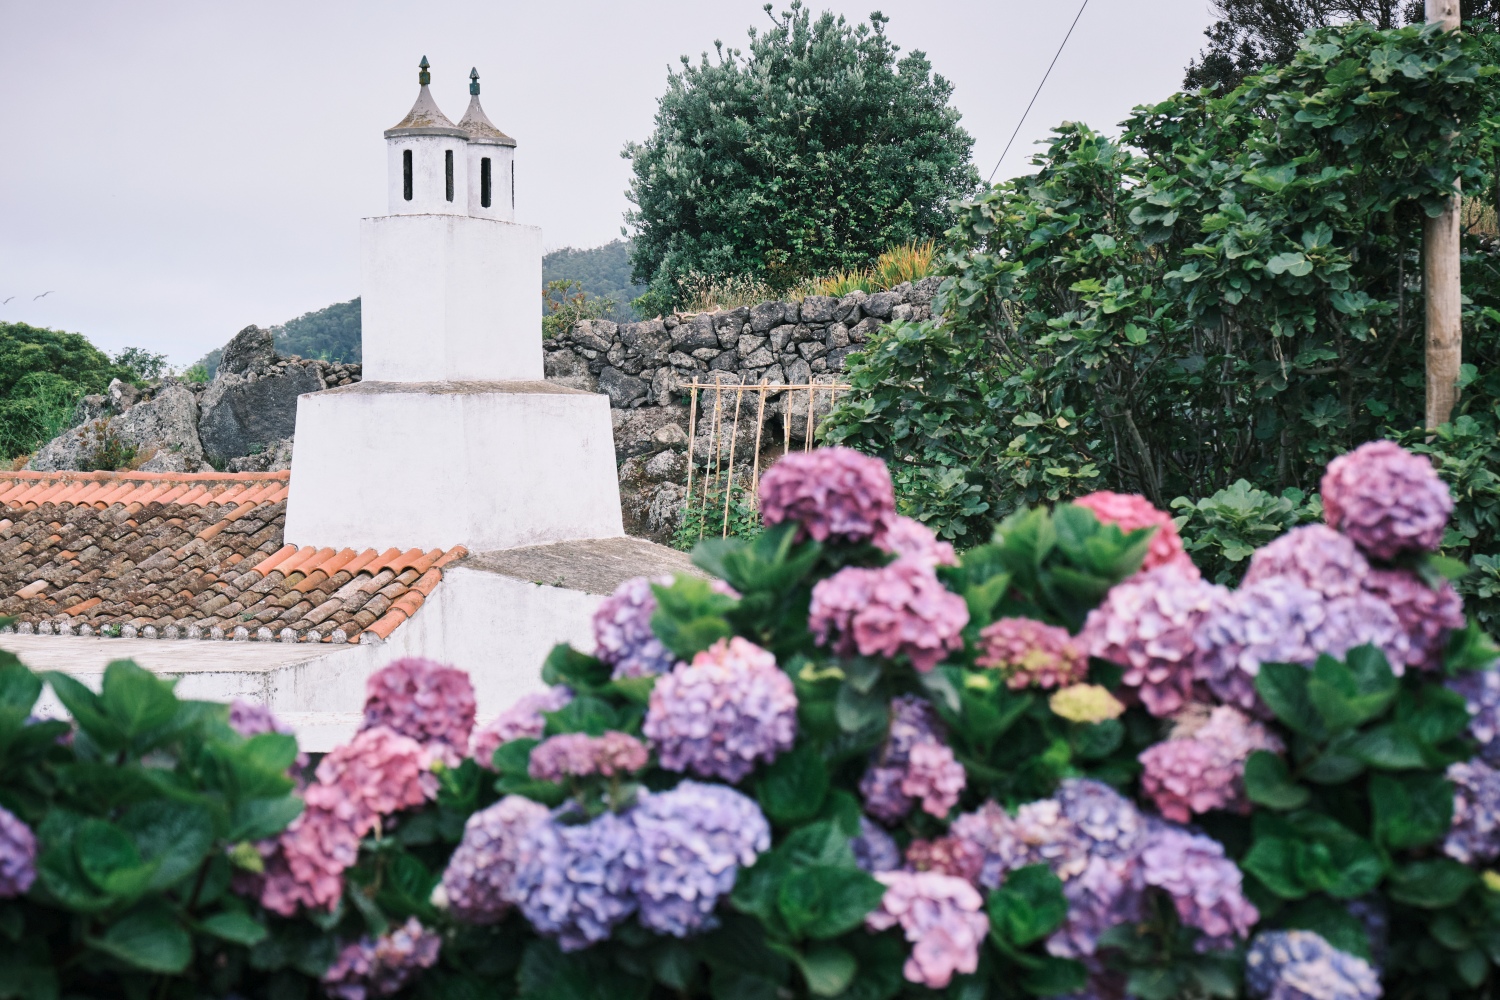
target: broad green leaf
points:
(1027, 907)
(149, 938)
(1268, 783)
(565, 665)
(1056, 977)
(257, 819)
(827, 968)
(1283, 687)
(232, 925)
(110, 859)
(173, 837)
(1431, 884)
(138, 701)
(823, 902)
(87, 710)
(1410, 810)
(793, 788)
(19, 687)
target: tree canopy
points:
(43, 374)
(814, 152)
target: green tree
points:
(601, 272)
(814, 153)
(43, 374)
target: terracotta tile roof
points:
(191, 555)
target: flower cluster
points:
(425, 701)
(896, 610)
(1301, 965)
(1205, 886)
(1475, 834)
(874, 849)
(1386, 499)
(1202, 766)
(250, 718)
(1481, 693)
(721, 714)
(1147, 625)
(833, 493)
(914, 763)
(17, 855)
(947, 856)
(622, 631)
(575, 882)
(1130, 512)
(477, 884)
(1315, 556)
(1425, 614)
(579, 755)
(1090, 703)
(1031, 654)
(941, 915)
(523, 720)
(380, 967)
(908, 538)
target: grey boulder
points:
(240, 416)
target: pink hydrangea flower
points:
(1315, 556)
(1426, 614)
(941, 915)
(896, 610)
(424, 700)
(1031, 653)
(721, 714)
(1131, 512)
(1146, 624)
(933, 776)
(834, 493)
(947, 856)
(1386, 499)
(17, 855)
(1203, 768)
(580, 755)
(909, 538)
(522, 721)
(913, 723)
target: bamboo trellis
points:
(717, 471)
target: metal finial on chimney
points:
(424, 77)
(474, 81)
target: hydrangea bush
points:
(853, 765)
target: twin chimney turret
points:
(439, 168)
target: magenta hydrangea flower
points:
(909, 538)
(381, 967)
(718, 716)
(913, 723)
(833, 493)
(576, 882)
(622, 630)
(1202, 766)
(1031, 654)
(1481, 692)
(304, 867)
(935, 777)
(1426, 615)
(1386, 499)
(1131, 512)
(1206, 887)
(896, 610)
(1147, 625)
(17, 855)
(579, 755)
(1272, 621)
(1475, 834)
(941, 915)
(1315, 556)
(1301, 965)
(477, 884)
(424, 700)
(522, 721)
(694, 840)
(949, 855)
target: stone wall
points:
(642, 366)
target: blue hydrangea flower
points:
(622, 631)
(1109, 822)
(17, 855)
(1301, 965)
(1475, 834)
(693, 841)
(874, 849)
(477, 884)
(575, 883)
(1481, 691)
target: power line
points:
(1038, 89)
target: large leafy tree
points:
(816, 151)
(43, 373)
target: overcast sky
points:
(174, 171)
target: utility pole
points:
(1445, 338)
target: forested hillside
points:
(602, 272)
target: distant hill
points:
(603, 271)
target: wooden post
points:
(1440, 277)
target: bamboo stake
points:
(692, 431)
(713, 437)
(734, 440)
(807, 441)
(760, 422)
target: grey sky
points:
(174, 171)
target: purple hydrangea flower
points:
(1386, 499)
(424, 700)
(1267, 622)
(880, 787)
(896, 610)
(17, 855)
(1426, 615)
(380, 967)
(1147, 624)
(579, 755)
(693, 841)
(833, 493)
(1101, 896)
(941, 915)
(949, 855)
(874, 849)
(894, 779)
(622, 631)
(1039, 833)
(522, 721)
(1202, 766)
(716, 717)
(1315, 556)
(1109, 822)
(250, 718)
(934, 777)
(1205, 886)
(1361, 620)
(575, 883)
(1031, 654)
(1475, 834)
(910, 539)
(1481, 692)
(477, 883)
(913, 721)
(1301, 965)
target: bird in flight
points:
(6, 301)
(43, 295)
